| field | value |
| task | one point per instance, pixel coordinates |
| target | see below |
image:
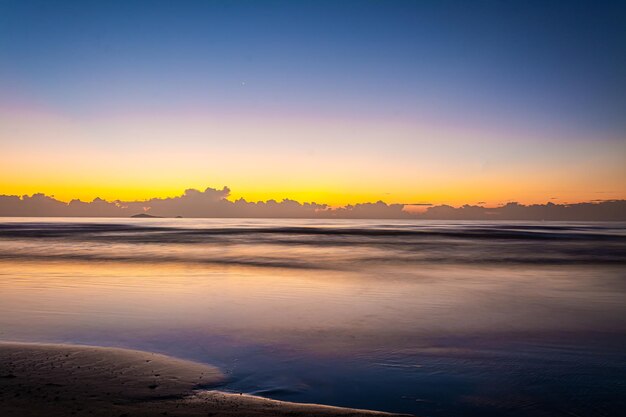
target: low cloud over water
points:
(215, 203)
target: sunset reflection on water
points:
(369, 315)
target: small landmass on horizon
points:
(145, 216)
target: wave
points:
(324, 246)
(499, 231)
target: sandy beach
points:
(68, 380)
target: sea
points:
(433, 318)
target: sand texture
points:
(67, 380)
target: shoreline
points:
(38, 379)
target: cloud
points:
(610, 210)
(215, 203)
(378, 210)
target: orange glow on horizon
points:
(135, 158)
(334, 197)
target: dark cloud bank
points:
(214, 203)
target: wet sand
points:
(67, 380)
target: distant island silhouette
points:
(145, 216)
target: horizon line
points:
(215, 203)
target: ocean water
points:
(431, 318)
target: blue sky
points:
(552, 70)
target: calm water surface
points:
(431, 318)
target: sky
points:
(334, 102)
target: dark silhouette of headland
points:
(145, 216)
